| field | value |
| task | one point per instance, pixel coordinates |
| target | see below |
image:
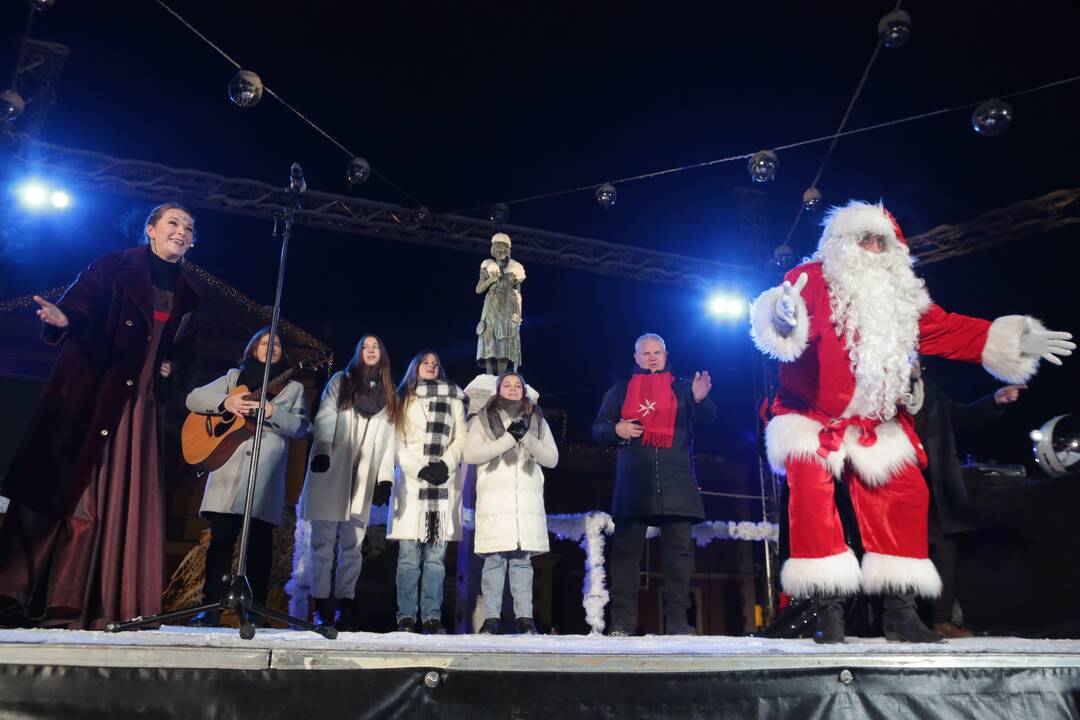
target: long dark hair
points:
(526, 404)
(353, 385)
(407, 386)
(253, 343)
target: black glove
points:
(320, 463)
(518, 428)
(381, 494)
(435, 473)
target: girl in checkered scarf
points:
(425, 504)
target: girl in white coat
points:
(225, 494)
(353, 449)
(426, 500)
(509, 441)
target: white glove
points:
(1046, 344)
(786, 314)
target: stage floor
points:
(221, 648)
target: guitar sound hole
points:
(224, 425)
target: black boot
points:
(343, 618)
(901, 622)
(830, 620)
(324, 611)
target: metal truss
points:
(135, 178)
(38, 71)
(1026, 219)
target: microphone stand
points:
(238, 594)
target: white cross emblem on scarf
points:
(646, 407)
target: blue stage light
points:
(38, 195)
(727, 307)
(60, 199)
(33, 194)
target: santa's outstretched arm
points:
(780, 320)
(1010, 347)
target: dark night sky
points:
(463, 104)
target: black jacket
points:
(655, 481)
(936, 424)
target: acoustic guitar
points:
(208, 441)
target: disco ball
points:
(1057, 446)
(811, 200)
(992, 117)
(42, 5)
(357, 171)
(762, 166)
(245, 89)
(605, 195)
(783, 257)
(11, 105)
(499, 213)
(894, 29)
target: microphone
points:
(296, 180)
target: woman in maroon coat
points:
(83, 541)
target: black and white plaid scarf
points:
(436, 397)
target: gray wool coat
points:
(225, 487)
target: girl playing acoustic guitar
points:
(223, 499)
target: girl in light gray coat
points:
(353, 450)
(223, 500)
(509, 442)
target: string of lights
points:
(247, 88)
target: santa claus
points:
(845, 327)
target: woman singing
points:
(83, 541)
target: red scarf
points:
(649, 398)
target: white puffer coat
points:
(510, 511)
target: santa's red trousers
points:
(892, 517)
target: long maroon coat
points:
(109, 308)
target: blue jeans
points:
(408, 579)
(493, 578)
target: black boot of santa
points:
(901, 622)
(830, 620)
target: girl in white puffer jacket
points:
(509, 441)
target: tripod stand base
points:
(247, 628)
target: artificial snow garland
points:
(586, 529)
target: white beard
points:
(876, 302)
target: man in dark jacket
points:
(651, 417)
(937, 418)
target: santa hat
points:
(858, 218)
(500, 238)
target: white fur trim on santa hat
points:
(874, 465)
(784, 348)
(821, 577)
(856, 219)
(796, 437)
(885, 574)
(1001, 355)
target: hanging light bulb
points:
(894, 30)
(11, 105)
(357, 171)
(763, 166)
(811, 200)
(499, 213)
(245, 89)
(992, 117)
